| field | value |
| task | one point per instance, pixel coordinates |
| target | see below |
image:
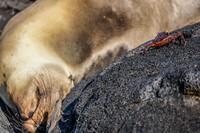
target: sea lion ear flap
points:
(70, 77)
(71, 80)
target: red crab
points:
(163, 38)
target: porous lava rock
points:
(157, 92)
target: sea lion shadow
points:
(68, 120)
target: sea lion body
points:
(54, 44)
(40, 53)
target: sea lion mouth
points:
(30, 114)
(32, 126)
(37, 120)
(33, 111)
(46, 95)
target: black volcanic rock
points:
(5, 124)
(158, 92)
(9, 8)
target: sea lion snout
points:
(43, 88)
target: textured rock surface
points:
(9, 8)
(158, 92)
(15, 4)
(5, 126)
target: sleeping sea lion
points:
(54, 44)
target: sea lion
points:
(54, 44)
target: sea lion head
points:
(39, 92)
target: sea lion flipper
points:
(56, 115)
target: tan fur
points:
(52, 39)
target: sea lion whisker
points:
(51, 85)
(43, 83)
(18, 125)
(38, 83)
(49, 89)
(43, 87)
(21, 128)
(40, 114)
(42, 110)
(12, 118)
(48, 81)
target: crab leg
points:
(148, 45)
